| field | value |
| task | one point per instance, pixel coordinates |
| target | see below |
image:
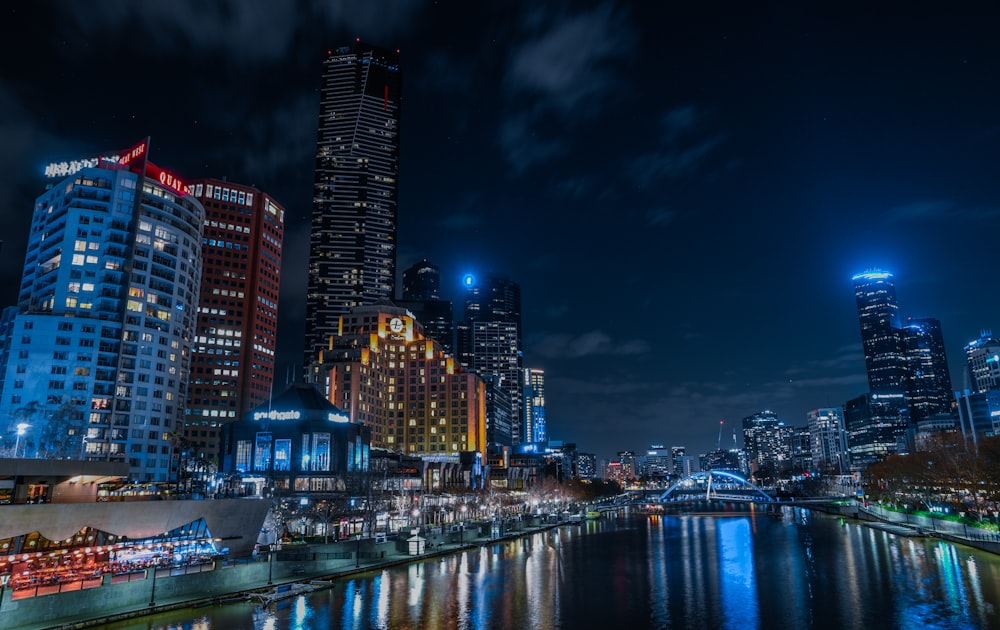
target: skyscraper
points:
(232, 367)
(101, 345)
(766, 442)
(928, 381)
(878, 315)
(489, 339)
(352, 242)
(534, 405)
(983, 363)
(421, 295)
(828, 438)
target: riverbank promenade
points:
(229, 581)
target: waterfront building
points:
(828, 439)
(421, 296)
(352, 240)
(878, 316)
(232, 365)
(586, 465)
(626, 462)
(534, 406)
(676, 461)
(800, 448)
(978, 414)
(488, 340)
(100, 348)
(499, 414)
(766, 441)
(876, 423)
(718, 459)
(656, 463)
(297, 442)
(928, 380)
(384, 372)
(982, 357)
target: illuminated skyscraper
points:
(101, 346)
(829, 439)
(983, 363)
(352, 244)
(878, 315)
(489, 339)
(928, 381)
(534, 405)
(232, 367)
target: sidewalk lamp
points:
(22, 428)
(461, 528)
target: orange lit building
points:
(383, 371)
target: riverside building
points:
(352, 241)
(100, 348)
(232, 366)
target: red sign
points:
(166, 178)
(128, 155)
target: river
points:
(797, 569)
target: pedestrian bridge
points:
(715, 485)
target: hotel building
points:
(99, 351)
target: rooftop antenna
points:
(718, 442)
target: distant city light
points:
(873, 274)
(469, 280)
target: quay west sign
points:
(123, 159)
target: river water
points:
(798, 569)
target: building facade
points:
(828, 439)
(876, 426)
(383, 372)
(232, 365)
(878, 315)
(766, 441)
(352, 240)
(535, 429)
(489, 339)
(983, 363)
(928, 380)
(422, 297)
(100, 349)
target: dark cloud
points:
(594, 342)
(941, 210)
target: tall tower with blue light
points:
(488, 340)
(878, 315)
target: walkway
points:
(295, 571)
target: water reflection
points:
(750, 570)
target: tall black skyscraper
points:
(352, 245)
(878, 315)
(928, 382)
(422, 297)
(489, 339)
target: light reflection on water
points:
(743, 570)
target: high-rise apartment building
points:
(878, 315)
(983, 363)
(766, 440)
(352, 240)
(928, 381)
(100, 348)
(828, 439)
(489, 339)
(232, 366)
(385, 373)
(534, 406)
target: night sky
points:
(683, 194)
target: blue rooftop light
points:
(469, 280)
(873, 274)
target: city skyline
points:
(683, 197)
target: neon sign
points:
(166, 179)
(276, 415)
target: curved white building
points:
(99, 352)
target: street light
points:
(22, 428)
(461, 529)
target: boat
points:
(592, 515)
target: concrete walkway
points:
(292, 565)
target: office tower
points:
(488, 340)
(676, 458)
(499, 414)
(586, 465)
(766, 442)
(352, 239)
(232, 366)
(534, 405)
(983, 363)
(876, 424)
(385, 373)
(626, 459)
(422, 281)
(421, 295)
(828, 440)
(101, 345)
(657, 463)
(875, 293)
(928, 381)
